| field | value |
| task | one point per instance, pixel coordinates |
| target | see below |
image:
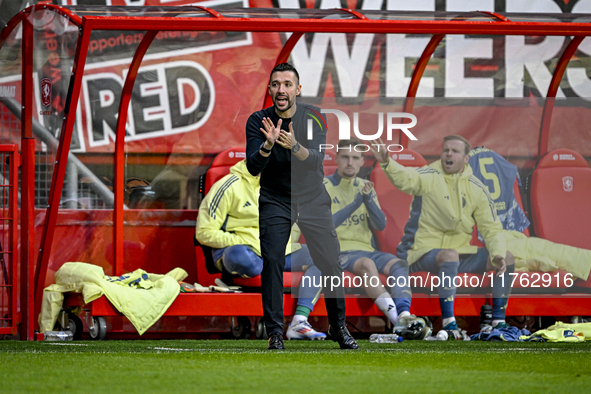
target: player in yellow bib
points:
(355, 209)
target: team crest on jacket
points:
(46, 91)
(567, 183)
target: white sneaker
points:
(303, 330)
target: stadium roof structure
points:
(297, 21)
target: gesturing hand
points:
(287, 139)
(271, 131)
(378, 148)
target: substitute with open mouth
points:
(448, 201)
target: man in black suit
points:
(290, 165)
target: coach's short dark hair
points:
(285, 67)
(467, 146)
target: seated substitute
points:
(448, 200)
(228, 222)
(355, 209)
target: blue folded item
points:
(508, 334)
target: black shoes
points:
(276, 341)
(342, 336)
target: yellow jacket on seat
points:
(537, 254)
(141, 297)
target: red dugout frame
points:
(89, 19)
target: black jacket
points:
(282, 178)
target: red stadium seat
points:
(528, 280)
(560, 198)
(220, 166)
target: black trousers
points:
(314, 218)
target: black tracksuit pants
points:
(314, 218)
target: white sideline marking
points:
(173, 349)
(525, 349)
(65, 344)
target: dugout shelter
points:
(44, 87)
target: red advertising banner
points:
(195, 90)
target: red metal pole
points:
(27, 187)
(278, 25)
(210, 11)
(59, 171)
(10, 225)
(551, 96)
(120, 146)
(355, 13)
(16, 163)
(416, 79)
(495, 15)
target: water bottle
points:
(59, 336)
(485, 316)
(385, 338)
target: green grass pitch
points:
(245, 366)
